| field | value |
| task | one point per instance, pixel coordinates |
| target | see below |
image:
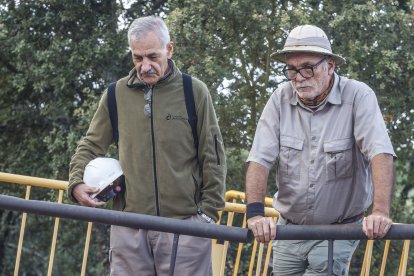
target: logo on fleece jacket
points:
(175, 117)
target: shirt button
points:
(312, 161)
(311, 185)
(313, 138)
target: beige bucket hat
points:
(307, 38)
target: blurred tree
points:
(228, 44)
(56, 57)
(381, 54)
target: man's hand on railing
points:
(376, 225)
(83, 192)
(263, 228)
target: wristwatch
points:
(204, 216)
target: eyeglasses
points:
(147, 97)
(306, 71)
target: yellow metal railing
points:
(235, 204)
(61, 186)
(235, 200)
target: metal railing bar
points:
(173, 254)
(284, 232)
(213, 231)
(241, 209)
(259, 259)
(398, 231)
(289, 232)
(54, 237)
(233, 194)
(252, 258)
(21, 235)
(33, 181)
(404, 257)
(86, 249)
(268, 253)
(126, 219)
(366, 265)
(330, 257)
(239, 251)
(230, 218)
(384, 257)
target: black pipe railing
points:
(212, 231)
(132, 220)
(340, 232)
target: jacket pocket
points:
(339, 158)
(290, 156)
(218, 148)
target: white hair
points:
(140, 27)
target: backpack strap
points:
(113, 113)
(190, 105)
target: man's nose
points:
(146, 66)
(299, 77)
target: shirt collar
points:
(334, 96)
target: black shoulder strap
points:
(113, 113)
(190, 105)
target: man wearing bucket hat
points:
(326, 136)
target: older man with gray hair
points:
(172, 158)
(326, 136)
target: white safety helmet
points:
(102, 172)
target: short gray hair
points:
(143, 25)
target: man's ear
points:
(170, 49)
(331, 66)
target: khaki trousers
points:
(148, 253)
(308, 257)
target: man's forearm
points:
(256, 182)
(383, 181)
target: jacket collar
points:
(135, 82)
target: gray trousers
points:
(307, 257)
(148, 253)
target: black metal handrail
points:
(126, 219)
(212, 231)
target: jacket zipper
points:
(154, 163)
(216, 148)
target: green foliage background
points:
(56, 58)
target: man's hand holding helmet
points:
(103, 179)
(83, 194)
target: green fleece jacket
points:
(157, 153)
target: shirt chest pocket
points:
(339, 158)
(290, 156)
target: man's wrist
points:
(254, 209)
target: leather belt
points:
(351, 219)
(345, 221)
